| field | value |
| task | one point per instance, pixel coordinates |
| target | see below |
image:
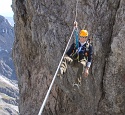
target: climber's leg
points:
(63, 66)
(81, 69)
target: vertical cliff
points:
(42, 29)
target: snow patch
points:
(7, 81)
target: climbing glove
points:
(68, 59)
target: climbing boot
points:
(75, 86)
(63, 67)
(78, 81)
(62, 71)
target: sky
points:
(5, 8)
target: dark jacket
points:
(83, 53)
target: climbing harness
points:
(76, 51)
(48, 92)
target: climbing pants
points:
(80, 65)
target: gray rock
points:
(6, 34)
(42, 29)
(6, 42)
(9, 92)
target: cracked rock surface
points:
(42, 30)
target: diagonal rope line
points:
(50, 87)
(76, 10)
(48, 92)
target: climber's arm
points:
(70, 51)
(89, 61)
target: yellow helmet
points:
(83, 33)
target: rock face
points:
(42, 29)
(6, 34)
(6, 42)
(9, 92)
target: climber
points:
(80, 57)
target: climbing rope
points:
(44, 102)
(48, 92)
(76, 30)
(76, 10)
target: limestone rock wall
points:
(42, 29)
